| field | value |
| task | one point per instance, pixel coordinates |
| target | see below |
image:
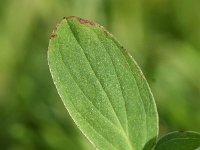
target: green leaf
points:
(102, 87)
(179, 141)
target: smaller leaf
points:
(179, 141)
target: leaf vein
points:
(92, 105)
(97, 77)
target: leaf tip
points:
(87, 22)
(80, 20)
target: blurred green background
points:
(162, 35)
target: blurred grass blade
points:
(180, 141)
(102, 87)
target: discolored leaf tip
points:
(54, 33)
(82, 21)
(87, 22)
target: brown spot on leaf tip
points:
(82, 21)
(53, 34)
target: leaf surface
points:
(179, 141)
(102, 87)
